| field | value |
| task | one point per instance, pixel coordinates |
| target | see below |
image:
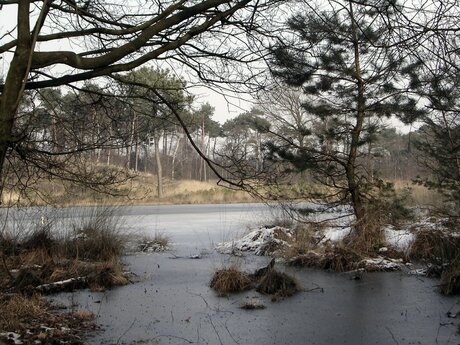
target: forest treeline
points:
(327, 79)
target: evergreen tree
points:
(440, 139)
(352, 79)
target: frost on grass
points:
(159, 242)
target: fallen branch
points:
(63, 285)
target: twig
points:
(392, 335)
(175, 337)
(230, 334)
(215, 330)
(199, 295)
(124, 333)
(315, 288)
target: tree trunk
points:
(350, 169)
(159, 167)
(174, 155)
(14, 84)
(131, 140)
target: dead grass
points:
(107, 275)
(84, 315)
(278, 284)
(435, 246)
(95, 236)
(332, 257)
(160, 242)
(36, 321)
(441, 250)
(303, 240)
(231, 279)
(16, 311)
(196, 192)
(139, 190)
(366, 239)
(252, 304)
(419, 195)
(89, 254)
(450, 280)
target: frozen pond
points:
(172, 303)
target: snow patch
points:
(13, 338)
(335, 234)
(382, 264)
(262, 241)
(399, 239)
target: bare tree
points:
(104, 38)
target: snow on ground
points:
(398, 239)
(260, 241)
(382, 264)
(266, 241)
(334, 234)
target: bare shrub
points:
(230, 279)
(278, 284)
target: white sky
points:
(225, 107)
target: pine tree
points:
(352, 79)
(440, 139)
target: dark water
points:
(172, 303)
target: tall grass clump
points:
(95, 235)
(83, 244)
(230, 279)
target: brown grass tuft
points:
(158, 243)
(366, 237)
(229, 280)
(84, 315)
(435, 246)
(278, 284)
(41, 237)
(96, 238)
(38, 322)
(107, 275)
(303, 240)
(341, 259)
(18, 310)
(334, 258)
